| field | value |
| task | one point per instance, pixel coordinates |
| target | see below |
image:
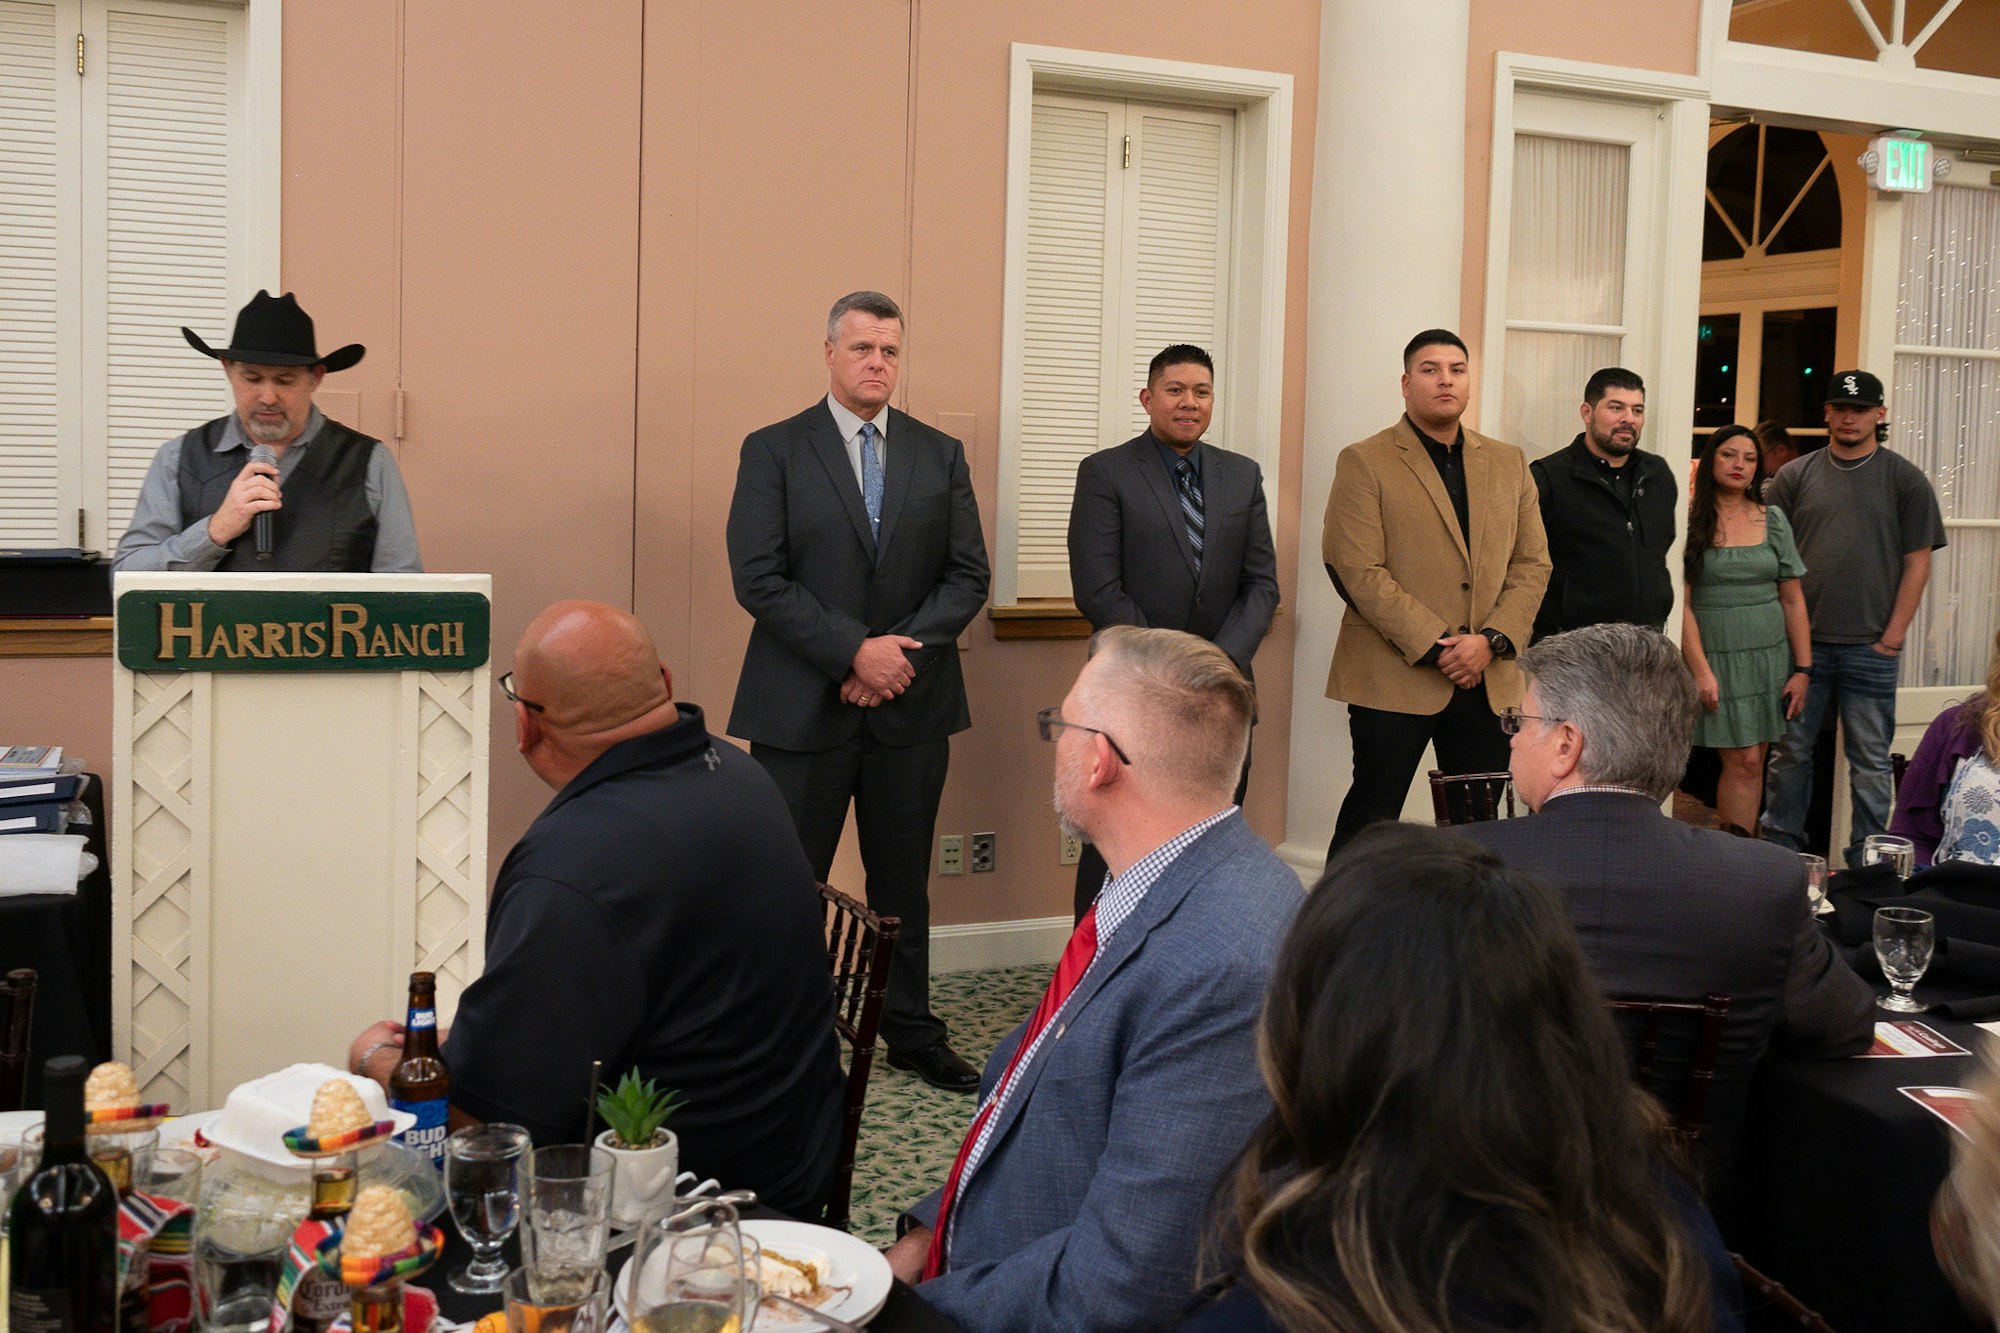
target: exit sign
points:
(1900, 165)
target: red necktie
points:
(1075, 961)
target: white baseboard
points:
(1033, 941)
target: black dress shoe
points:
(940, 1066)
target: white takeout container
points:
(250, 1131)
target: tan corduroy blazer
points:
(1392, 543)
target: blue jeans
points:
(1862, 684)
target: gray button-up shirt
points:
(162, 537)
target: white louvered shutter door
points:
(33, 495)
(1178, 229)
(163, 108)
(1070, 326)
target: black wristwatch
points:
(1798, 670)
(1498, 642)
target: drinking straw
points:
(590, 1104)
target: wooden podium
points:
(300, 766)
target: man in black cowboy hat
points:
(335, 496)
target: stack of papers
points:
(30, 761)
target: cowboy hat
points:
(273, 331)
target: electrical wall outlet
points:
(1072, 850)
(982, 852)
(951, 854)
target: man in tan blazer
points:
(1434, 540)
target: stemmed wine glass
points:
(708, 1283)
(1904, 938)
(482, 1181)
(1899, 853)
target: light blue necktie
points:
(871, 477)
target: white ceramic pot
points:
(641, 1178)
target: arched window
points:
(1770, 192)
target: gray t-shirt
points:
(1854, 526)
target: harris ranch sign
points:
(256, 630)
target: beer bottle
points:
(421, 1084)
(321, 1299)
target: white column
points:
(1388, 236)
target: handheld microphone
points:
(261, 526)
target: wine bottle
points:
(63, 1226)
(421, 1084)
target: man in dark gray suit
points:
(1665, 910)
(1170, 532)
(854, 540)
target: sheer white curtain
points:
(1565, 282)
(1945, 416)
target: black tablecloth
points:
(66, 938)
(904, 1312)
(1840, 1171)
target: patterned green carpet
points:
(910, 1131)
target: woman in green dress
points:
(1743, 629)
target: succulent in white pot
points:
(645, 1154)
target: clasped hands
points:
(1464, 659)
(881, 671)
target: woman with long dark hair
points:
(1456, 1140)
(1743, 625)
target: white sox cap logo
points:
(1850, 385)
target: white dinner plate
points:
(857, 1266)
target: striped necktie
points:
(1190, 492)
(1076, 957)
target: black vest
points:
(326, 526)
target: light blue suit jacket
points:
(1089, 1207)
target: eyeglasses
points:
(1050, 718)
(506, 684)
(1512, 718)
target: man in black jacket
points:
(1608, 507)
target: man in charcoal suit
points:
(1664, 910)
(1169, 530)
(854, 541)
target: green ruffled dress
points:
(1735, 604)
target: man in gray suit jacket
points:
(1084, 1189)
(1664, 910)
(1170, 531)
(854, 540)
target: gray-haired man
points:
(1664, 910)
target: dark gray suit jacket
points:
(1090, 1204)
(1130, 562)
(1667, 911)
(805, 565)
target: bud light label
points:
(422, 1018)
(426, 1137)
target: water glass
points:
(1898, 853)
(169, 1173)
(578, 1308)
(237, 1260)
(1904, 938)
(1816, 882)
(568, 1198)
(482, 1181)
